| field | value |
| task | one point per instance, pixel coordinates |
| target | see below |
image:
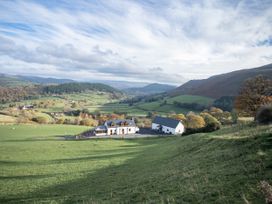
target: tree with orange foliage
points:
(254, 93)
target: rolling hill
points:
(12, 81)
(42, 80)
(221, 85)
(7, 80)
(79, 87)
(150, 89)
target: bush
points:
(89, 122)
(264, 115)
(179, 116)
(194, 123)
(40, 119)
(212, 123)
(60, 121)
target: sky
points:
(165, 41)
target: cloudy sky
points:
(134, 40)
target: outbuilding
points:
(167, 125)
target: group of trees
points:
(255, 99)
(18, 93)
(255, 92)
(13, 94)
(78, 87)
(203, 122)
(192, 106)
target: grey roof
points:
(101, 127)
(168, 122)
(117, 122)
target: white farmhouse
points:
(167, 125)
(117, 127)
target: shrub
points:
(89, 122)
(264, 115)
(60, 121)
(40, 119)
(212, 123)
(179, 116)
(194, 121)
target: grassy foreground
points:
(221, 167)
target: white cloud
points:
(126, 40)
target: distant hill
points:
(12, 81)
(221, 85)
(78, 87)
(42, 80)
(150, 89)
(7, 80)
(121, 84)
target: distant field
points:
(160, 107)
(38, 166)
(104, 103)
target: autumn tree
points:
(254, 93)
(179, 116)
(194, 121)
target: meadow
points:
(226, 166)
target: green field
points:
(226, 166)
(159, 107)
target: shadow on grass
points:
(193, 169)
(42, 139)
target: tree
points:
(254, 93)
(264, 115)
(194, 121)
(212, 123)
(225, 103)
(89, 122)
(40, 119)
(179, 116)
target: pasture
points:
(226, 166)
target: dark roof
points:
(117, 123)
(101, 127)
(168, 122)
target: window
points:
(129, 129)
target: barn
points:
(167, 125)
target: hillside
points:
(221, 85)
(12, 81)
(225, 166)
(78, 87)
(150, 89)
(42, 80)
(17, 80)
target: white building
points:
(117, 127)
(167, 125)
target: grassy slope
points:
(221, 167)
(156, 105)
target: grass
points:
(221, 167)
(162, 108)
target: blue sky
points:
(167, 41)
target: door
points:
(123, 131)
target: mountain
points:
(122, 84)
(42, 80)
(18, 80)
(11, 81)
(221, 85)
(150, 89)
